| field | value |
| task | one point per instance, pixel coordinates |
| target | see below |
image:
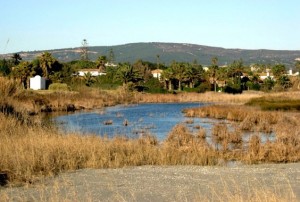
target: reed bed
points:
(229, 139)
(272, 103)
(29, 152)
(197, 97)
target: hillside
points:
(174, 51)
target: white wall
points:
(37, 83)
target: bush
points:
(204, 87)
(153, 85)
(59, 87)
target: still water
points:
(132, 120)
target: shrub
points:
(204, 87)
(59, 87)
(7, 87)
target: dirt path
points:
(170, 183)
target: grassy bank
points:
(276, 103)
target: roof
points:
(157, 71)
(88, 70)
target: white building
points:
(37, 83)
(263, 76)
(157, 73)
(93, 72)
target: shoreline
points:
(266, 182)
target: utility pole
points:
(84, 50)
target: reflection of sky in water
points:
(158, 119)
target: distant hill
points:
(174, 51)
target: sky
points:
(28, 25)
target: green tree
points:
(47, 63)
(143, 69)
(4, 68)
(23, 72)
(64, 75)
(126, 73)
(278, 70)
(167, 76)
(179, 72)
(16, 58)
(88, 79)
(194, 73)
(284, 82)
(268, 84)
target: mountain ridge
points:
(168, 52)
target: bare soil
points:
(268, 182)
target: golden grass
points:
(29, 150)
(285, 127)
(197, 97)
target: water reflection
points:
(133, 120)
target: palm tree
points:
(16, 58)
(193, 73)
(46, 62)
(88, 78)
(23, 72)
(126, 73)
(167, 75)
(179, 71)
(100, 62)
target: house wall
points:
(37, 83)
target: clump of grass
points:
(228, 140)
(8, 87)
(250, 119)
(59, 87)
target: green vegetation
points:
(275, 104)
(59, 87)
(178, 76)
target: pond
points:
(132, 120)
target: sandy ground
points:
(169, 183)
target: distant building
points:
(205, 69)
(93, 72)
(157, 73)
(37, 83)
(263, 76)
(290, 73)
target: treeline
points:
(178, 76)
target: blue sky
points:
(28, 25)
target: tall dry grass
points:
(30, 152)
(285, 126)
(197, 97)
